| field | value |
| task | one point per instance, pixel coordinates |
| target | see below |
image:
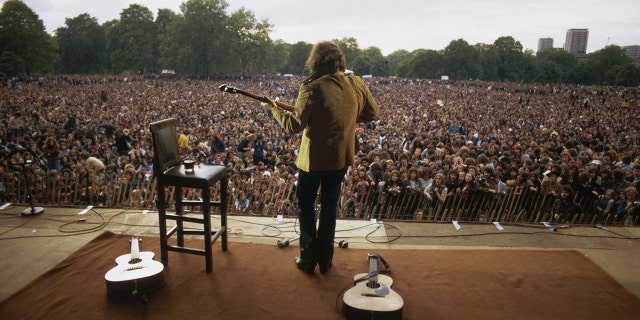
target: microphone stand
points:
(33, 210)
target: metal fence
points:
(267, 196)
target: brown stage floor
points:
(29, 246)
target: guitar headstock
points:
(225, 88)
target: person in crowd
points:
(93, 163)
(437, 191)
(16, 126)
(490, 183)
(636, 175)
(183, 141)
(629, 208)
(414, 189)
(605, 205)
(123, 142)
(453, 182)
(328, 107)
(565, 209)
(550, 185)
(39, 123)
(468, 187)
(258, 147)
(394, 189)
(244, 145)
(51, 152)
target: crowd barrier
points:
(266, 196)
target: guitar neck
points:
(135, 250)
(373, 269)
(280, 105)
(283, 106)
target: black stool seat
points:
(202, 176)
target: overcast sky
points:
(402, 24)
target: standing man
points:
(328, 107)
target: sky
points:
(402, 24)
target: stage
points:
(57, 261)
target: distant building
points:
(576, 41)
(545, 43)
(632, 51)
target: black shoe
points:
(324, 268)
(304, 265)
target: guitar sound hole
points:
(373, 285)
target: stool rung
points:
(187, 250)
(183, 218)
(197, 203)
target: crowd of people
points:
(445, 137)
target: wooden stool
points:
(169, 170)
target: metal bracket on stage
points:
(285, 243)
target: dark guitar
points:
(372, 298)
(135, 274)
(225, 88)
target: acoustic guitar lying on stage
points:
(225, 88)
(135, 274)
(373, 298)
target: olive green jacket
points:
(327, 109)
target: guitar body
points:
(135, 274)
(372, 299)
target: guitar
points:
(135, 274)
(225, 88)
(371, 297)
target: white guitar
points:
(135, 274)
(373, 298)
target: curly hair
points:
(325, 58)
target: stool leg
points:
(162, 221)
(224, 203)
(179, 211)
(206, 212)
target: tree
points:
(281, 55)
(350, 49)
(251, 49)
(461, 61)
(202, 39)
(626, 75)
(132, 41)
(26, 46)
(371, 61)
(580, 74)
(362, 65)
(549, 72)
(380, 65)
(554, 65)
(489, 60)
(395, 59)
(509, 58)
(82, 44)
(164, 21)
(298, 54)
(423, 64)
(602, 61)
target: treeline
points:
(204, 40)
